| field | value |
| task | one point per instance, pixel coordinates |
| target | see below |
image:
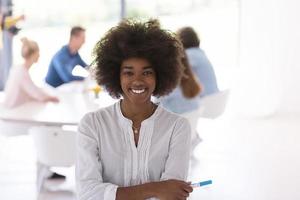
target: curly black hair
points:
(145, 40)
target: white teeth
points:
(138, 91)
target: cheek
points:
(123, 83)
(152, 82)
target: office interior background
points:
(252, 150)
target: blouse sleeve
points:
(177, 163)
(31, 89)
(89, 179)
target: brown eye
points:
(127, 73)
(147, 73)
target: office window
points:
(62, 12)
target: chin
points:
(136, 100)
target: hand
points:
(52, 99)
(22, 17)
(173, 190)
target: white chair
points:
(193, 118)
(9, 129)
(55, 147)
(214, 105)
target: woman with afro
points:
(135, 149)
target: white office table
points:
(68, 111)
(49, 118)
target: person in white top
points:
(20, 88)
(135, 149)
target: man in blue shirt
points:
(64, 61)
(201, 66)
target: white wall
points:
(269, 67)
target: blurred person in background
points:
(185, 97)
(8, 29)
(65, 60)
(20, 88)
(198, 60)
(9, 23)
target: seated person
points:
(65, 60)
(200, 64)
(20, 87)
(185, 97)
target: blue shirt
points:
(176, 102)
(61, 67)
(203, 70)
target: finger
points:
(181, 198)
(188, 189)
(188, 183)
(184, 194)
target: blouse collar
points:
(123, 119)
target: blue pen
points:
(201, 184)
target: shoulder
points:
(169, 117)
(16, 69)
(97, 117)
(62, 51)
(19, 71)
(91, 125)
(197, 57)
(173, 125)
(64, 48)
(194, 51)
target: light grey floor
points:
(250, 159)
(246, 159)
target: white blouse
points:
(108, 158)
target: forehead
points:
(80, 34)
(135, 63)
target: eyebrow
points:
(130, 67)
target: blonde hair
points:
(29, 47)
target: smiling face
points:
(138, 80)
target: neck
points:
(72, 48)
(137, 113)
(27, 64)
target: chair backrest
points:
(214, 105)
(54, 146)
(193, 119)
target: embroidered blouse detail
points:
(108, 157)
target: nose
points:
(138, 80)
